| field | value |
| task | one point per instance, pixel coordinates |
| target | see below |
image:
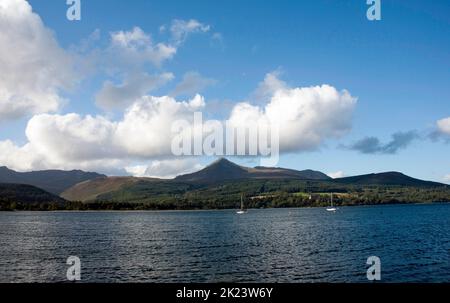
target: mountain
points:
(53, 181)
(221, 184)
(219, 170)
(387, 178)
(21, 193)
(223, 169)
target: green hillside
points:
(91, 190)
(388, 178)
(260, 193)
(21, 196)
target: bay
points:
(263, 245)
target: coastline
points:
(214, 209)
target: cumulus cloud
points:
(372, 145)
(135, 47)
(165, 168)
(181, 29)
(28, 157)
(20, 158)
(72, 141)
(71, 137)
(191, 84)
(34, 68)
(145, 130)
(135, 85)
(269, 86)
(335, 175)
(305, 116)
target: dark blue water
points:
(273, 245)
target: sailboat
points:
(242, 210)
(331, 208)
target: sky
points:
(354, 96)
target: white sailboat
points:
(331, 208)
(242, 210)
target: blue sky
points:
(397, 68)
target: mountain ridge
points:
(386, 178)
(261, 188)
(53, 181)
(223, 169)
(223, 173)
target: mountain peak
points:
(223, 162)
(223, 169)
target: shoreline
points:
(213, 209)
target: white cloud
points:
(33, 66)
(309, 115)
(165, 168)
(271, 84)
(180, 29)
(135, 85)
(28, 157)
(74, 142)
(306, 116)
(61, 138)
(135, 47)
(127, 56)
(146, 128)
(20, 158)
(27, 45)
(35, 70)
(338, 174)
(444, 126)
(191, 84)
